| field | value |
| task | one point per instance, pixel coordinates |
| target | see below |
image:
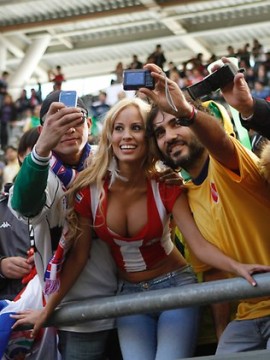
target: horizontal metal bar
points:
(188, 295)
(249, 355)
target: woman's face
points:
(128, 136)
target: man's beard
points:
(186, 162)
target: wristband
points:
(190, 120)
(1, 274)
(40, 160)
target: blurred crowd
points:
(21, 114)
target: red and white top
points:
(152, 243)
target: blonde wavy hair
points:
(97, 169)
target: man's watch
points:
(188, 121)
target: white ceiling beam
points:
(15, 50)
(175, 27)
(63, 39)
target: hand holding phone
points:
(68, 98)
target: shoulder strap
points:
(159, 203)
(95, 196)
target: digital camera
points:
(219, 78)
(136, 79)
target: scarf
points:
(66, 175)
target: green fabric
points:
(29, 188)
(215, 110)
(35, 121)
(242, 133)
(94, 128)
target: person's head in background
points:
(121, 95)
(26, 143)
(11, 154)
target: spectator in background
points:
(212, 59)
(171, 68)
(136, 63)
(119, 72)
(57, 77)
(17, 266)
(33, 120)
(267, 64)
(14, 236)
(3, 86)
(98, 110)
(22, 105)
(244, 55)
(261, 75)
(260, 91)
(182, 81)
(8, 117)
(12, 164)
(121, 95)
(2, 165)
(231, 52)
(35, 98)
(257, 53)
(158, 56)
(198, 64)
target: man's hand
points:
(59, 120)
(16, 267)
(237, 94)
(158, 95)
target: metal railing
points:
(156, 300)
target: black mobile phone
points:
(68, 98)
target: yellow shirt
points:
(233, 212)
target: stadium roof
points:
(89, 37)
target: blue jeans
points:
(83, 346)
(169, 334)
(245, 335)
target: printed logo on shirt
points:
(214, 192)
(5, 225)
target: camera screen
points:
(135, 78)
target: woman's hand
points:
(33, 317)
(247, 270)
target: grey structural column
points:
(28, 64)
(3, 56)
